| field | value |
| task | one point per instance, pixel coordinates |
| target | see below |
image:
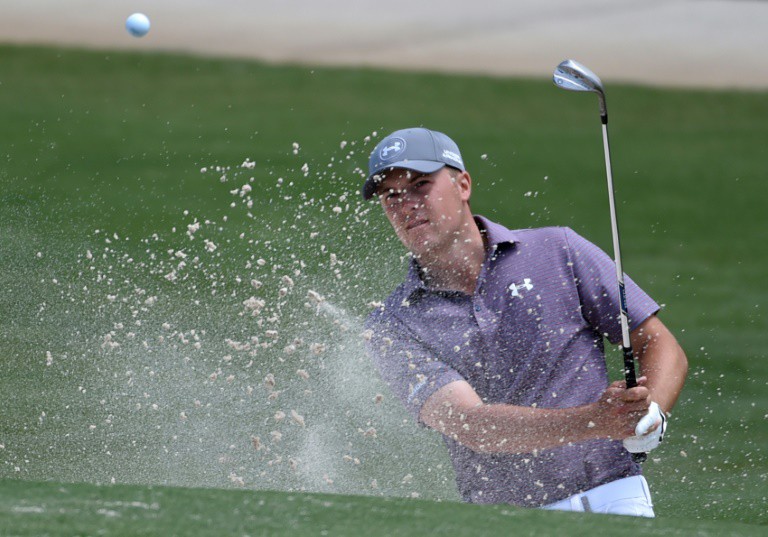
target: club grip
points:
(631, 378)
(629, 367)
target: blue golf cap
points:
(417, 149)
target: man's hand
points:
(619, 409)
(649, 431)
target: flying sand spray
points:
(214, 356)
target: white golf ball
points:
(137, 24)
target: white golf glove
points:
(643, 441)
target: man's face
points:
(427, 211)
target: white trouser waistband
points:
(598, 499)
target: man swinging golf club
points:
(495, 340)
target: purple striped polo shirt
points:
(530, 335)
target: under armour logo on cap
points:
(392, 149)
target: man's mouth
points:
(416, 223)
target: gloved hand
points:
(643, 441)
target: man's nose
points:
(409, 202)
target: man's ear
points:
(464, 183)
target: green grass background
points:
(102, 152)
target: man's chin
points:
(420, 248)
(418, 240)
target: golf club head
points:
(573, 76)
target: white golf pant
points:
(628, 496)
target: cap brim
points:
(421, 166)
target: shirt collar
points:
(495, 235)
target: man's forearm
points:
(459, 413)
(499, 428)
(662, 360)
(665, 376)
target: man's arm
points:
(661, 360)
(457, 411)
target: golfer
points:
(495, 340)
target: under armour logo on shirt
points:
(515, 288)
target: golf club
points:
(573, 76)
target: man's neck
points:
(458, 266)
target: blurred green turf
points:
(29, 508)
(115, 142)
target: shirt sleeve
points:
(595, 275)
(407, 366)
